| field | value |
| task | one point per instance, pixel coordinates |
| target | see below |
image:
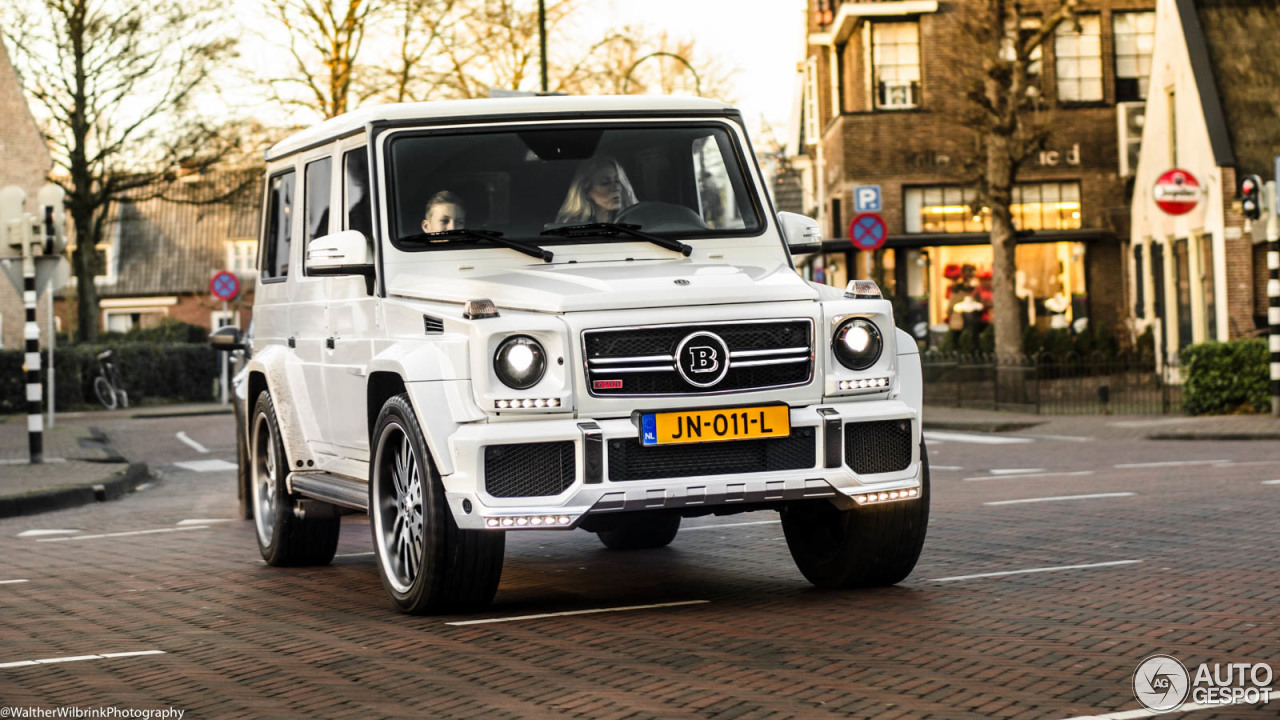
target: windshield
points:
(684, 181)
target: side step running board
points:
(334, 489)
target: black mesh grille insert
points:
(629, 460)
(878, 447)
(650, 341)
(528, 470)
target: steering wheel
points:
(656, 216)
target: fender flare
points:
(275, 365)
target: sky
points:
(763, 40)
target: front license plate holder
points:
(681, 427)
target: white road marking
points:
(126, 534)
(363, 554)
(194, 445)
(1035, 570)
(50, 531)
(578, 612)
(946, 467)
(206, 465)
(204, 521)
(78, 658)
(725, 525)
(1061, 497)
(1064, 438)
(13, 582)
(1015, 471)
(1172, 463)
(20, 461)
(1074, 473)
(932, 435)
(1144, 713)
(1271, 482)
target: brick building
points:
(1202, 275)
(163, 245)
(885, 88)
(26, 164)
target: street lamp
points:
(697, 81)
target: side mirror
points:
(342, 253)
(226, 339)
(801, 233)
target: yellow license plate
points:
(693, 426)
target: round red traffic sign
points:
(867, 231)
(1177, 192)
(224, 285)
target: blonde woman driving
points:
(599, 191)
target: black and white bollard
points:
(1273, 307)
(31, 332)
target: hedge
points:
(168, 372)
(1225, 377)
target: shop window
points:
(1210, 301)
(1135, 35)
(1079, 60)
(1182, 287)
(950, 209)
(895, 57)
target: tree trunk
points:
(1005, 311)
(84, 261)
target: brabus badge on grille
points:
(702, 359)
(606, 384)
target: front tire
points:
(291, 531)
(106, 394)
(427, 564)
(642, 531)
(870, 546)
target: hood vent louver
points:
(432, 325)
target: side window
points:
(355, 191)
(716, 198)
(319, 173)
(279, 231)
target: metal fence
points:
(1053, 384)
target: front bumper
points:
(475, 509)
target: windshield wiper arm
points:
(613, 229)
(492, 236)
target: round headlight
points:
(857, 343)
(520, 362)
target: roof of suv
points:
(490, 108)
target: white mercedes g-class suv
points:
(558, 313)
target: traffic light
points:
(1251, 196)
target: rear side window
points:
(318, 186)
(355, 192)
(279, 235)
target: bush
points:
(1225, 377)
(168, 372)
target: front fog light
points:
(520, 362)
(857, 343)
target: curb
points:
(1215, 436)
(980, 425)
(173, 414)
(113, 487)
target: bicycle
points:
(107, 385)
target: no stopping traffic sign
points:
(225, 285)
(867, 231)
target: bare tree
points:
(114, 84)
(631, 60)
(324, 40)
(1011, 121)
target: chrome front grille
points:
(643, 360)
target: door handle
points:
(328, 342)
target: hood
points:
(570, 287)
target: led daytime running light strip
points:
(889, 496)
(527, 403)
(528, 521)
(864, 383)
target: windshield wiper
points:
(614, 229)
(492, 236)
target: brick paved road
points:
(242, 639)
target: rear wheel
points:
(642, 531)
(291, 530)
(869, 546)
(427, 564)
